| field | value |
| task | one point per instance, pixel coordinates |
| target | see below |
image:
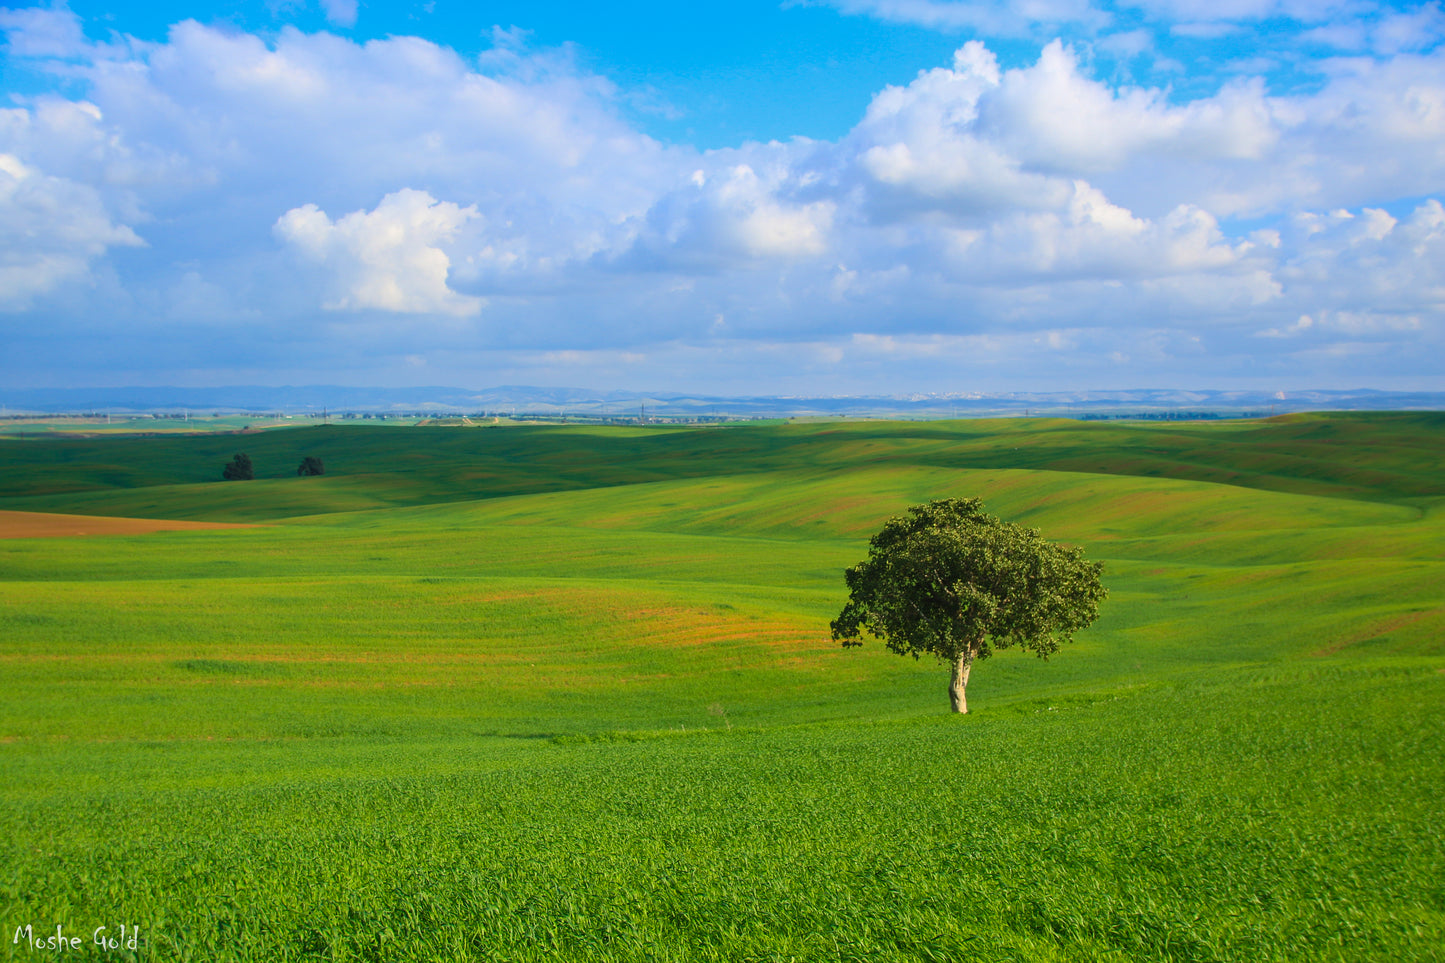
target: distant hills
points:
(1160, 403)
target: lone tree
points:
(238, 468)
(311, 465)
(949, 580)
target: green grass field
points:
(567, 693)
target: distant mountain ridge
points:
(593, 403)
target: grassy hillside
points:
(1383, 457)
(569, 693)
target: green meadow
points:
(568, 693)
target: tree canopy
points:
(311, 465)
(949, 580)
(238, 468)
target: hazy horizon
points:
(582, 402)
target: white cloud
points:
(51, 230)
(1127, 43)
(921, 149)
(1341, 36)
(983, 16)
(350, 120)
(340, 12)
(976, 139)
(1375, 130)
(1369, 272)
(744, 214)
(1417, 29)
(1205, 11)
(1091, 237)
(1304, 323)
(733, 215)
(974, 209)
(43, 32)
(1052, 116)
(388, 259)
(1208, 30)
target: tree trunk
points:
(960, 682)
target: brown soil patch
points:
(47, 525)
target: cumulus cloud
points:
(1055, 117)
(977, 139)
(732, 216)
(1091, 237)
(992, 160)
(353, 121)
(922, 148)
(387, 259)
(1366, 273)
(51, 230)
(978, 135)
(1037, 207)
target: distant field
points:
(560, 692)
(52, 525)
(80, 426)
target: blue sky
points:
(847, 197)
